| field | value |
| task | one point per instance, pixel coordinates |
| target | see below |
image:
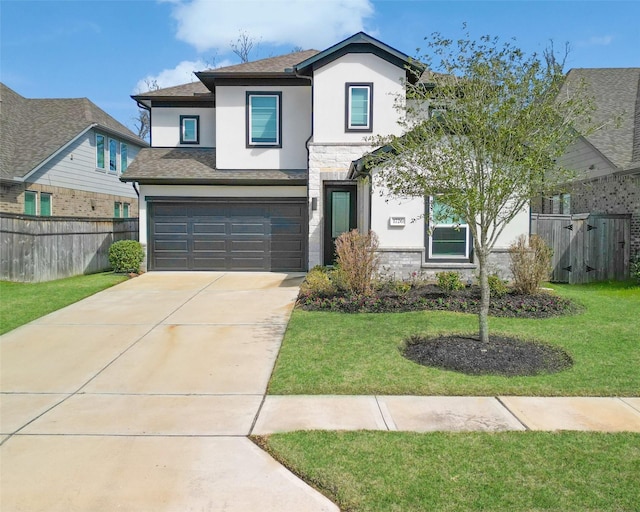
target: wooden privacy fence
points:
(34, 249)
(586, 247)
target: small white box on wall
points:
(397, 222)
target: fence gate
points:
(586, 247)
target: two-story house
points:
(248, 167)
(63, 158)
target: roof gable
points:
(357, 43)
(35, 129)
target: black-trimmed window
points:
(189, 129)
(264, 119)
(359, 107)
(447, 237)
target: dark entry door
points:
(339, 216)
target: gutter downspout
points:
(306, 144)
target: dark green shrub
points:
(497, 286)
(449, 281)
(126, 256)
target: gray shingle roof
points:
(616, 92)
(271, 65)
(34, 129)
(198, 165)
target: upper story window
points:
(113, 155)
(447, 236)
(100, 151)
(264, 116)
(124, 157)
(189, 129)
(359, 107)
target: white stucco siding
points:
(75, 168)
(210, 191)
(165, 126)
(231, 140)
(519, 225)
(384, 208)
(329, 96)
(412, 234)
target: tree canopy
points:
(483, 129)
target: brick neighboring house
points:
(609, 159)
(63, 158)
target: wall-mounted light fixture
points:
(314, 203)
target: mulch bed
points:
(431, 297)
(502, 355)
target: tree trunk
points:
(485, 296)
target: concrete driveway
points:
(141, 398)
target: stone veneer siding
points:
(614, 193)
(65, 202)
(327, 162)
(408, 263)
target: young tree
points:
(482, 133)
(243, 46)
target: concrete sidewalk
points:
(141, 397)
(447, 413)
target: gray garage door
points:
(227, 234)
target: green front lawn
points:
(512, 471)
(21, 303)
(338, 353)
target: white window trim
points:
(50, 203)
(105, 150)
(433, 226)
(117, 156)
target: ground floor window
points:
(30, 202)
(447, 237)
(117, 209)
(45, 204)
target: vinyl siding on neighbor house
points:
(586, 160)
(75, 168)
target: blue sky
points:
(105, 49)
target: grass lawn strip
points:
(360, 354)
(512, 471)
(21, 303)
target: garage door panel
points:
(170, 245)
(223, 235)
(162, 228)
(200, 227)
(248, 228)
(210, 245)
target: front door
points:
(339, 216)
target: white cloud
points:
(207, 24)
(181, 74)
(596, 41)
